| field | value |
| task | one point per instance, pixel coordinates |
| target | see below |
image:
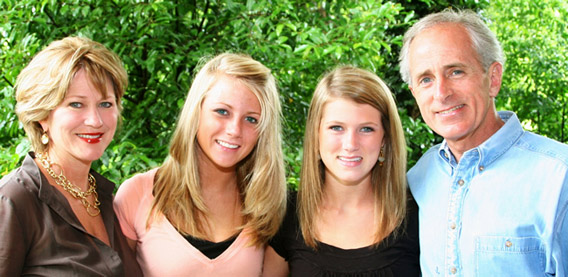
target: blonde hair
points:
(43, 83)
(260, 176)
(388, 181)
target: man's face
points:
(454, 93)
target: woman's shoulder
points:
(140, 182)
(21, 184)
(136, 189)
(15, 187)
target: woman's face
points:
(350, 139)
(81, 127)
(228, 124)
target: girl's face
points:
(350, 139)
(227, 131)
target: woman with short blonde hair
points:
(56, 214)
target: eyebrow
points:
(254, 113)
(342, 122)
(447, 66)
(454, 65)
(231, 107)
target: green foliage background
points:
(161, 42)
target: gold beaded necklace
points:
(76, 192)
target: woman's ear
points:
(43, 124)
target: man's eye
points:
(425, 80)
(457, 72)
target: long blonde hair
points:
(260, 176)
(388, 181)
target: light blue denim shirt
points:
(500, 211)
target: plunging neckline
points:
(180, 240)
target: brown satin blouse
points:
(40, 234)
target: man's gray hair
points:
(484, 40)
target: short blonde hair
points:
(388, 181)
(42, 85)
(260, 176)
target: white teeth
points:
(350, 160)
(89, 136)
(226, 144)
(452, 109)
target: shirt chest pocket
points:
(509, 256)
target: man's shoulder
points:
(425, 162)
(544, 146)
(428, 156)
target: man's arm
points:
(558, 264)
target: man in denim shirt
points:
(493, 198)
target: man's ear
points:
(411, 90)
(495, 77)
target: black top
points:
(210, 249)
(394, 256)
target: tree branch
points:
(50, 16)
(7, 81)
(204, 16)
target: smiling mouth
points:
(91, 138)
(226, 144)
(355, 159)
(452, 109)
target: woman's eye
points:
(336, 128)
(251, 119)
(75, 105)
(222, 111)
(105, 104)
(367, 129)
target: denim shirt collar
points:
(492, 148)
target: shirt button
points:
(508, 243)
(461, 182)
(481, 168)
(453, 225)
(453, 270)
(446, 155)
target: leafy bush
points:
(161, 42)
